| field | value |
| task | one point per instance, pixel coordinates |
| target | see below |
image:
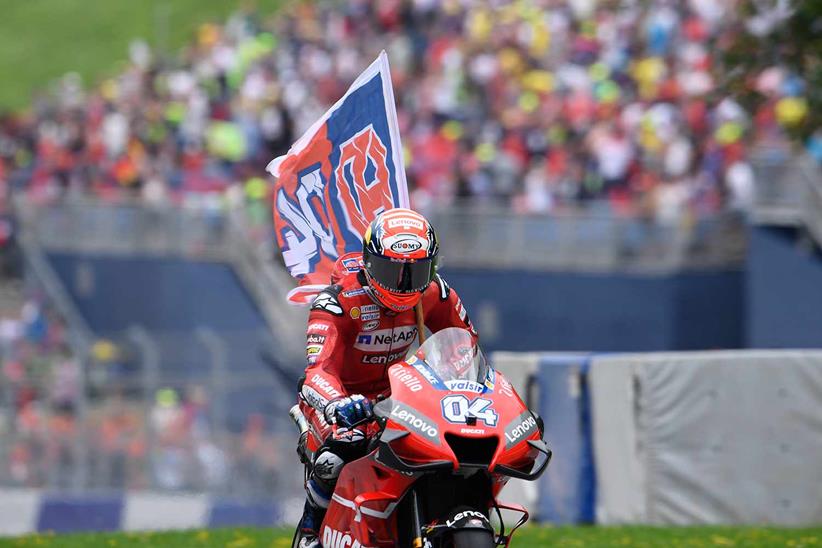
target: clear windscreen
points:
(453, 355)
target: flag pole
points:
(420, 322)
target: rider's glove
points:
(348, 412)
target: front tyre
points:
(473, 538)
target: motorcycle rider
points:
(357, 328)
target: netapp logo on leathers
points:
(386, 339)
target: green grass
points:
(593, 537)
(40, 40)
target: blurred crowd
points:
(112, 434)
(539, 105)
(39, 386)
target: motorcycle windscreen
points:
(454, 356)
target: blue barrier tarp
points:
(226, 513)
(63, 514)
(567, 489)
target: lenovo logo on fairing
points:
(520, 428)
(415, 421)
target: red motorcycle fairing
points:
(354, 520)
(454, 426)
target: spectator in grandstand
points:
(541, 105)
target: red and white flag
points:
(346, 169)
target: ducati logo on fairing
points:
(336, 539)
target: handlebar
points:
(298, 418)
(302, 423)
(373, 417)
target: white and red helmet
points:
(400, 255)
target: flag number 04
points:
(457, 408)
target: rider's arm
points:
(443, 308)
(325, 350)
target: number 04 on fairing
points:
(458, 409)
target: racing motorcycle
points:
(443, 445)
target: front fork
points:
(416, 542)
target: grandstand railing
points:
(586, 239)
(812, 205)
(126, 228)
(779, 187)
(788, 190)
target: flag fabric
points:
(346, 169)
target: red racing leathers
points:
(351, 341)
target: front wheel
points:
(473, 538)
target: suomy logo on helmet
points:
(406, 245)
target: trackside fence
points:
(680, 438)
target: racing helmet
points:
(400, 255)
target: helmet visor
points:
(400, 276)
